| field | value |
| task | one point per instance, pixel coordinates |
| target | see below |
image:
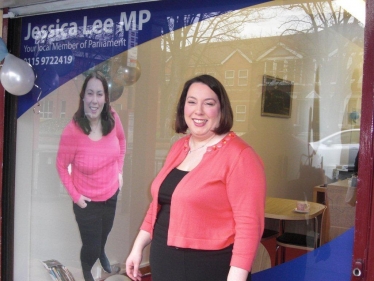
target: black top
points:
(164, 197)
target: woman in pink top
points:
(89, 162)
(206, 217)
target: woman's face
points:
(94, 99)
(202, 110)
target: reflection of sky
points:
(355, 7)
(272, 24)
(276, 20)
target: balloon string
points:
(40, 93)
(37, 111)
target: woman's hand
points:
(132, 265)
(134, 259)
(82, 201)
(120, 181)
(237, 274)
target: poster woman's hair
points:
(107, 119)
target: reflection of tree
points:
(335, 38)
(320, 22)
(183, 36)
(317, 16)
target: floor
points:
(270, 246)
(147, 278)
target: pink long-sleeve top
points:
(95, 165)
(219, 203)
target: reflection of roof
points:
(250, 49)
(294, 46)
(53, 126)
(313, 95)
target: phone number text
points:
(51, 60)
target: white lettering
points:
(146, 18)
(35, 33)
(73, 30)
(51, 30)
(96, 26)
(28, 32)
(85, 31)
(68, 45)
(108, 26)
(128, 21)
(29, 49)
(104, 44)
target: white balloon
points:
(16, 75)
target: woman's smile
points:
(199, 122)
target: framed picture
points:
(276, 97)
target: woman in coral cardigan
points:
(93, 144)
(206, 217)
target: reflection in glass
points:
(317, 45)
(338, 151)
(58, 271)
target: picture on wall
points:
(276, 97)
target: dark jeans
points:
(95, 223)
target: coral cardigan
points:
(219, 203)
(95, 165)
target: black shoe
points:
(105, 263)
(87, 275)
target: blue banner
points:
(60, 46)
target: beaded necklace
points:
(192, 150)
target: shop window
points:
(286, 45)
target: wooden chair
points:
(262, 260)
(300, 241)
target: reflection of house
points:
(241, 64)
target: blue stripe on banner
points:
(60, 46)
(330, 262)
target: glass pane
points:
(309, 136)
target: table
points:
(283, 209)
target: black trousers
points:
(95, 223)
(178, 264)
